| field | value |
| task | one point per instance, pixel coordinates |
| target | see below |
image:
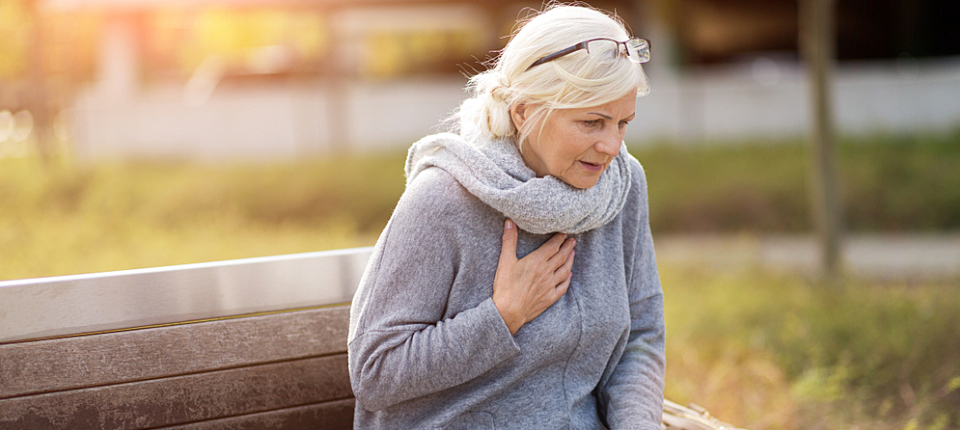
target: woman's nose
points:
(610, 143)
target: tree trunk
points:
(817, 43)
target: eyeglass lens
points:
(637, 50)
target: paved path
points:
(888, 256)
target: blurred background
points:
(227, 79)
(140, 133)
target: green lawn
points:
(887, 183)
(770, 351)
(81, 218)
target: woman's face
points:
(577, 145)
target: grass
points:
(762, 350)
(120, 216)
(887, 183)
(81, 218)
(776, 351)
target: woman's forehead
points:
(625, 106)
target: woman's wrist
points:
(511, 319)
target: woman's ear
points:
(517, 114)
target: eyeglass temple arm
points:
(558, 54)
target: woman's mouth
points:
(591, 167)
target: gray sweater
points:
(428, 348)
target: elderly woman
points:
(515, 285)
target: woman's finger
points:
(561, 288)
(562, 255)
(508, 248)
(563, 272)
(551, 246)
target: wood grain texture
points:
(337, 415)
(183, 399)
(110, 358)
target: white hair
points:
(574, 81)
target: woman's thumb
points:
(508, 249)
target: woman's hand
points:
(524, 288)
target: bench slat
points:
(336, 415)
(183, 399)
(79, 304)
(111, 358)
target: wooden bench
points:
(244, 344)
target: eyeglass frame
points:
(585, 45)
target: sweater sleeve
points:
(402, 345)
(633, 396)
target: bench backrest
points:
(257, 343)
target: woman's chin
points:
(582, 181)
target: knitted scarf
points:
(494, 172)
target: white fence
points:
(766, 99)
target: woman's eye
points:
(591, 122)
(623, 124)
